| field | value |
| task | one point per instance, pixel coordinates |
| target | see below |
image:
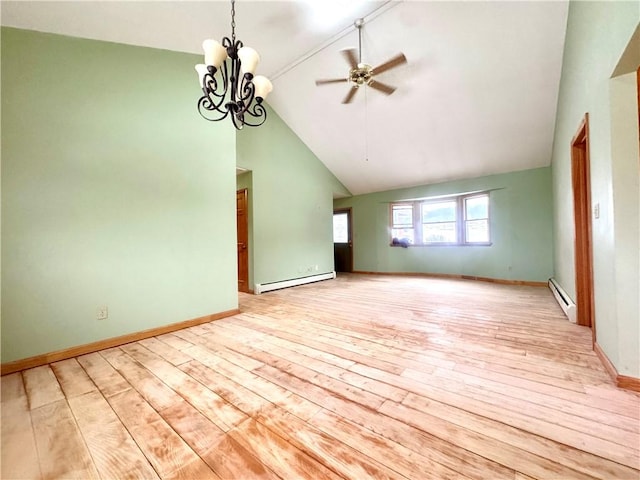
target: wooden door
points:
(582, 219)
(342, 240)
(243, 240)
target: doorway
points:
(242, 221)
(342, 240)
(582, 218)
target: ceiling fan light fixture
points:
(361, 73)
(230, 88)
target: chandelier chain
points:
(233, 21)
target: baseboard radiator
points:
(267, 287)
(563, 299)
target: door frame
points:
(349, 213)
(581, 182)
(244, 193)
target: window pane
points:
(439, 212)
(402, 235)
(477, 207)
(439, 232)
(477, 231)
(402, 215)
(340, 228)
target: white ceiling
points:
(478, 95)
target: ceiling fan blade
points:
(350, 95)
(393, 62)
(383, 87)
(350, 54)
(331, 80)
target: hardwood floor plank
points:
(72, 378)
(398, 457)
(535, 419)
(169, 454)
(154, 390)
(560, 404)
(325, 449)
(210, 404)
(19, 458)
(490, 448)
(41, 386)
(62, 452)
(276, 394)
(337, 373)
(593, 401)
(233, 461)
(281, 342)
(200, 433)
(103, 374)
(277, 454)
(12, 388)
(172, 355)
(425, 444)
(203, 436)
(174, 341)
(320, 345)
(233, 357)
(114, 452)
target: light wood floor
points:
(360, 377)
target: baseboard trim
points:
(621, 381)
(46, 358)
(458, 277)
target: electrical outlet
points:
(102, 312)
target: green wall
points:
(597, 35)
(114, 192)
(291, 203)
(521, 230)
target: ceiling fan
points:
(362, 73)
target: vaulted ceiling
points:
(478, 95)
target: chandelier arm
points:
(211, 114)
(238, 120)
(258, 112)
(212, 99)
(211, 90)
(246, 92)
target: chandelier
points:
(231, 89)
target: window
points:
(340, 228)
(402, 223)
(476, 219)
(439, 222)
(456, 220)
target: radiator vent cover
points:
(267, 287)
(568, 306)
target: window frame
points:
(455, 221)
(393, 226)
(465, 219)
(460, 220)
